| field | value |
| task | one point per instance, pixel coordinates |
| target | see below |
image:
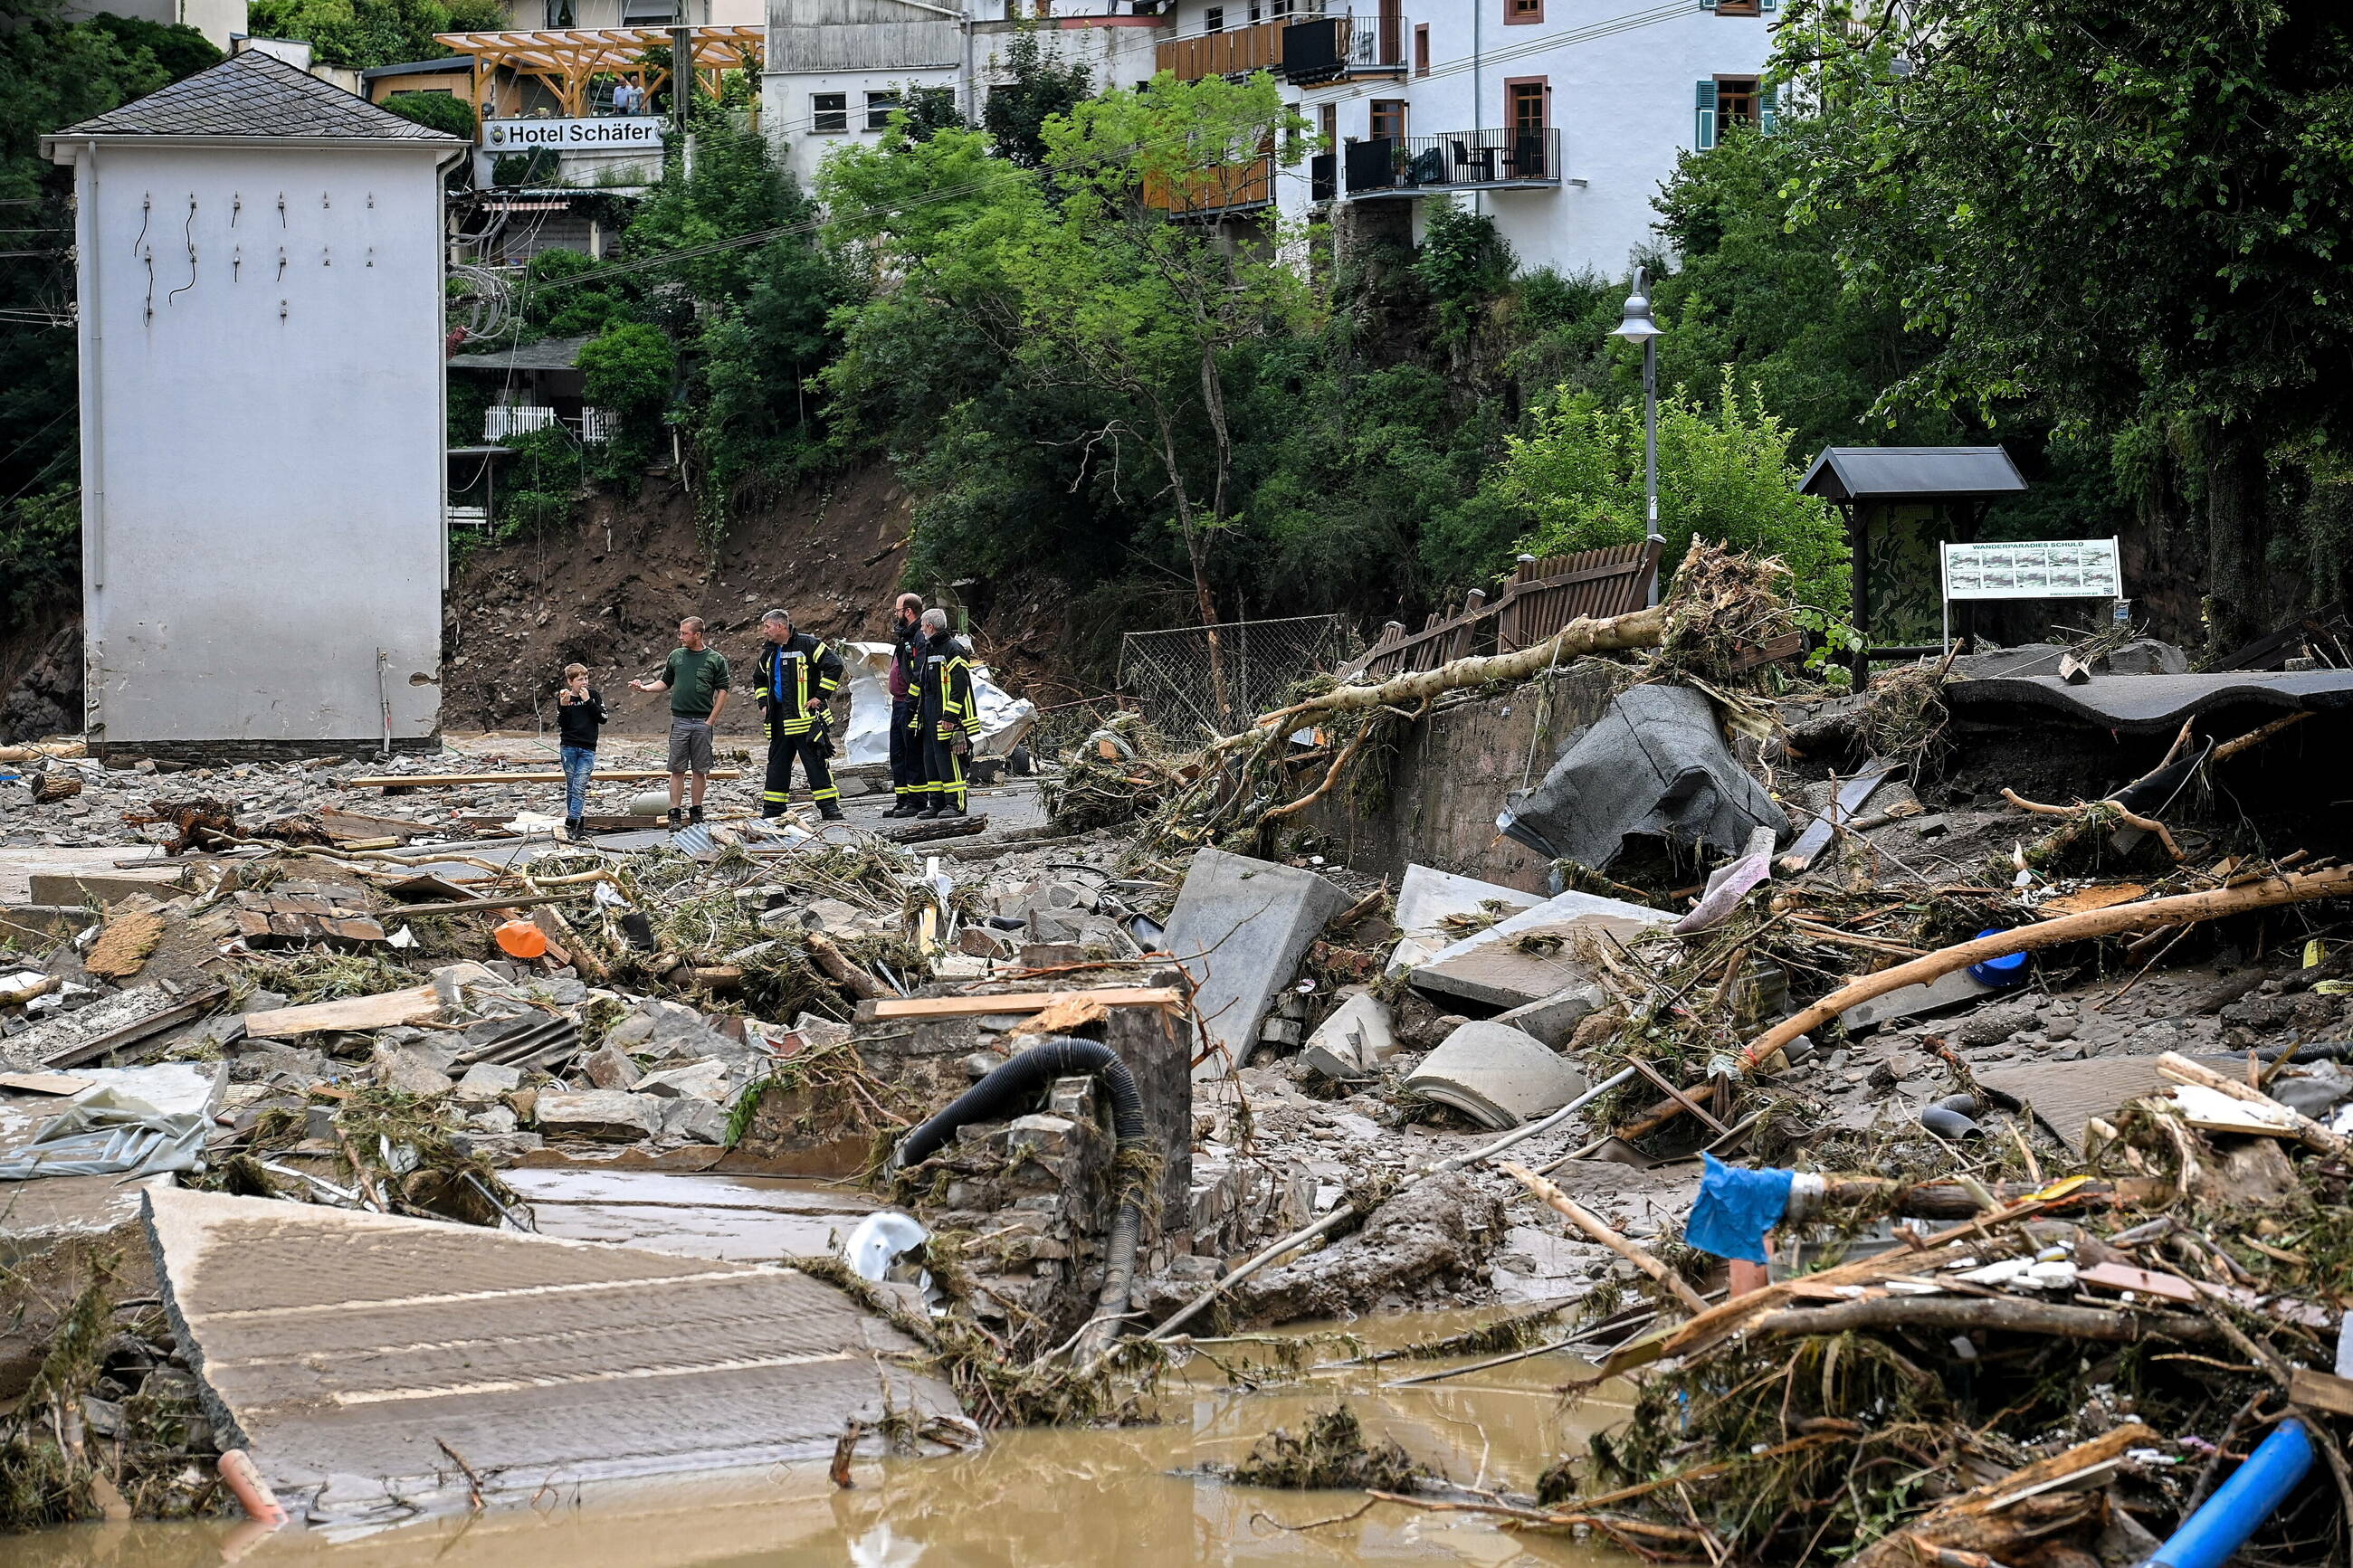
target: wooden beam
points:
(1016, 1002)
(382, 1011)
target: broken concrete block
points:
(1240, 928)
(1553, 1018)
(980, 941)
(1557, 911)
(497, 1120)
(603, 1115)
(410, 1068)
(542, 1360)
(606, 1067)
(1426, 897)
(704, 1079)
(695, 1121)
(1499, 1076)
(1353, 1041)
(1040, 1134)
(1529, 965)
(489, 1081)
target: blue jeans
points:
(579, 762)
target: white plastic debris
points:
(876, 1242)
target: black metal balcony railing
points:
(1320, 48)
(1456, 159)
(1322, 176)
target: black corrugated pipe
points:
(1053, 1056)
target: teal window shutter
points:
(1707, 4)
(1769, 6)
(1706, 137)
(1768, 101)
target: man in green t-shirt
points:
(696, 678)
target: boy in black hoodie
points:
(579, 715)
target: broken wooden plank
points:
(551, 775)
(2320, 1391)
(1016, 1002)
(44, 1083)
(1852, 796)
(413, 1004)
(345, 826)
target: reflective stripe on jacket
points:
(945, 699)
(797, 679)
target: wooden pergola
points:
(569, 60)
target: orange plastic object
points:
(252, 1493)
(521, 939)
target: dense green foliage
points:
(363, 34)
(437, 111)
(53, 74)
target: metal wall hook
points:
(235, 263)
(281, 209)
(235, 207)
(282, 310)
(281, 262)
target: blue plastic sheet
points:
(1736, 1208)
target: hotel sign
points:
(607, 133)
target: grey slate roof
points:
(548, 354)
(1913, 473)
(254, 94)
(445, 65)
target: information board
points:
(2034, 569)
(606, 133)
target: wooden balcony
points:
(1214, 193)
(1299, 48)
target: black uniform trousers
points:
(907, 779)
(943, 776)
(777, 790)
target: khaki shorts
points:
(690, 745)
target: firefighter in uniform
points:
(946, 718)
(909, 794)
(797, 676)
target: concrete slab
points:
(1498, 1075)
(1553, 912)
(745, 1219)
(1553, 1019)
(1354, 1040)
(20, 863)
(1240, 928)
(1426, 897)
(343, 1349)
(1912, 1000)
(1529, 965)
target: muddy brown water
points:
(1131, 1498)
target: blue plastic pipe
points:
(2250, 1496)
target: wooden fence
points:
(1541, 597)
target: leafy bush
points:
(540, 166)
(443, 111)
(362, 34)
(1725, 474)
(629, 369)
(40, 552)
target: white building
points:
(1557, 118)
(217, 20)
(260, 315)
(835, 69)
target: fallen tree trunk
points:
(1959, 1314)
(1639, 629)
(2185, 908)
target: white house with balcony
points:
(1559, 119)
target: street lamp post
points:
(1639, 327)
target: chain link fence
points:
(1176, 683)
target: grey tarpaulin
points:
(106, 1133)
(1654, 766)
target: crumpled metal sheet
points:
(1654, 765)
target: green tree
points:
(1043, 87)
(1725, 474)
(360, 34)
(2112, 217)
(737, 189)
(434, 111)
(629, 369)
(1128, 288)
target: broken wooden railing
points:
(1543, 596)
